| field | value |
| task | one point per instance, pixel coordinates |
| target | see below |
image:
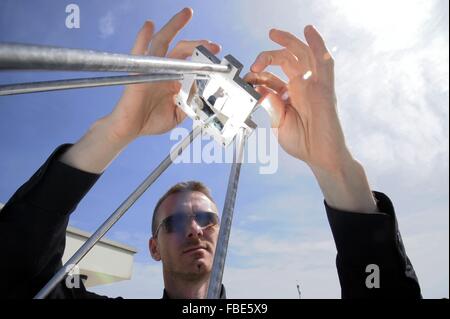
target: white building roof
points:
(107, 262)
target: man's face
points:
(189, 253)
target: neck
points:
(182, 287)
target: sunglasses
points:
(179, 222)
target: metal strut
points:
(215, 282)
(119, 212)
(45, 86)
(15, 56)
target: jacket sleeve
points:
(33, 228)
(371, 259)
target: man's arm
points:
(371, 259)
(33, 222)
(304, 113)
(33, 225)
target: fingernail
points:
(285, 96)
(185, 10)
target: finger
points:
(288, 62)
(161, 40)
(184, 48)
(143, 38)
(267, 79)
(179, 115)
(324, 60)
(299, 48)
(274, 106)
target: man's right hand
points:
(144, 109)
(149, 109)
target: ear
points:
(154, 250)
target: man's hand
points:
(148, 109)
(306, 119)
(304, 111)
(144, 109)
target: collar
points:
(223, 294)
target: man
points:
(185, 227)
(185, 223)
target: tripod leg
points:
(45, 86)
(215, 282)
(16, 56)
(120, 211)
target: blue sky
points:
(392, 85)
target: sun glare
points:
(394, 24)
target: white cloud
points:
(248, 244)
(268, 267)
(391, 70)
(428, 252)
(394, 25)
(289, 15)
(393, 110)
(279, 280)
(107, 25)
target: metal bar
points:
(45, 86)
(215, 282)
(14, 56)
(120, 211)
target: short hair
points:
(189, 186)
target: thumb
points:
(273, 105)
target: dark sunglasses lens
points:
(176, 223)
(206, 219)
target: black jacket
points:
(33, 230)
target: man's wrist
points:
(346, 188)
(107, 128)
(96, 149)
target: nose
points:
(194, 229)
